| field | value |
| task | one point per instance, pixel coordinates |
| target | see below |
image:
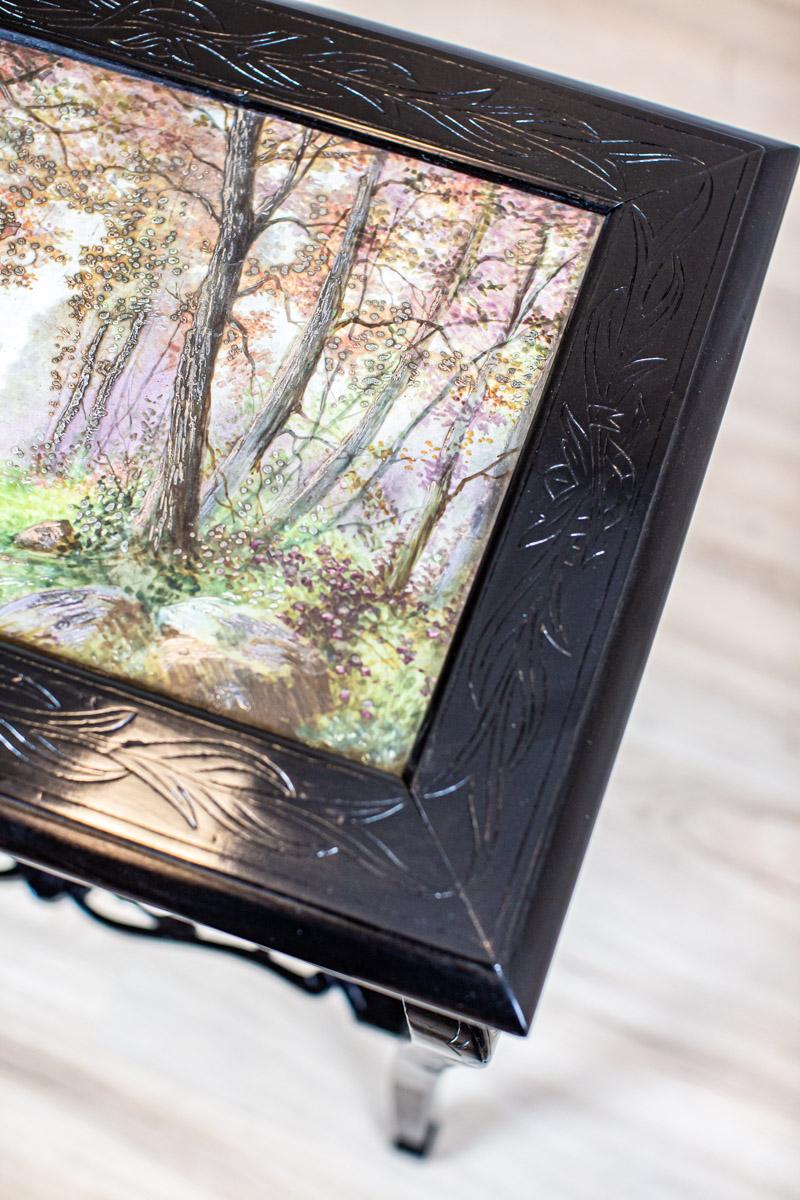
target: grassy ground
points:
(24, 501)
(383, 653)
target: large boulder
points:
(98, 625)
(52, 537)
(218, 655)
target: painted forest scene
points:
(262, 389)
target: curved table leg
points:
(437, 1042)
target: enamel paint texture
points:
(262, 388)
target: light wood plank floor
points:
(663, 1065)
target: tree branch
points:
(483, 474)
(274, 202)
(171, 184)
(237, 324)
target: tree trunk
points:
(100, 406)
(321, 481)
(78, 393)
(519, 312)
(169, 515)
(298, 368)
(438, 494)
(436, 501)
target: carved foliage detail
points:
(219, 784)
(314, 65)
(532, 642)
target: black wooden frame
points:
(449, 886)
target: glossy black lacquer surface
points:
(449, 887)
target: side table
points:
(340, 282)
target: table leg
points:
(437, 1042)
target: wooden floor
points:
(663, 1065)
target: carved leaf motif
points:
(588, 491)
(239, 790)
(309, 62)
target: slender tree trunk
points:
(321, 481)
(297, 369)
(78, 393)
(100, 406)
(518, 314)
(168, 517)
(438, 494)
(436, 501)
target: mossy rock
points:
(99, 626)
(217, 655)
(47, 537)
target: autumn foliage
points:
(268, 365)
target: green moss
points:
(381, 697)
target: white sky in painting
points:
(20, 310)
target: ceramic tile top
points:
(262, 388)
